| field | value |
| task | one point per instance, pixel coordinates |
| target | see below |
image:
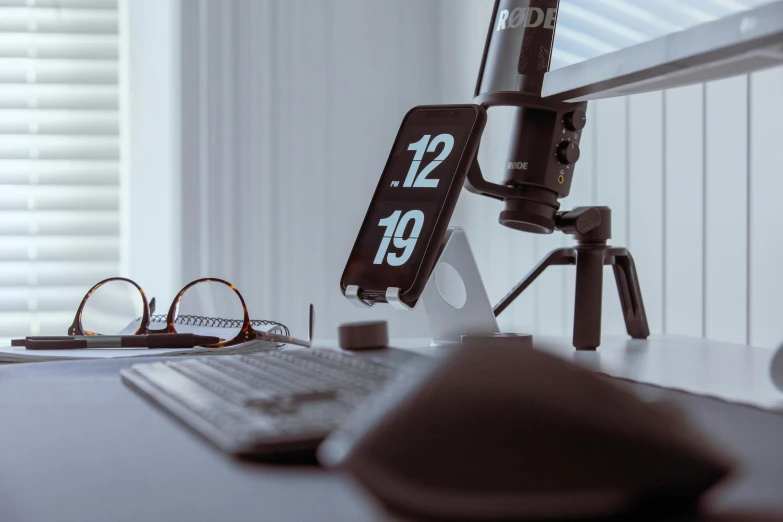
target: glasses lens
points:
(210, 308)
(114, 308)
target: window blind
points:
(59, 159)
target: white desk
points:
(731, 372)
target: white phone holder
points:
(454, 299)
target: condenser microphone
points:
(549, 118)
(544, 141)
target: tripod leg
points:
(630, 295)
(560, 256)
(587, 304)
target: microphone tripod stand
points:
(591, 227)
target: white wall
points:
(150, 205)
(289, 110)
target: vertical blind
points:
(59, 159)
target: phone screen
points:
(411, 195)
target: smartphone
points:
(400, 239)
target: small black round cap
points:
(365, 335)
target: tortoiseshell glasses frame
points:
(246, 334)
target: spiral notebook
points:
(185, 324)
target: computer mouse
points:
(503, 433)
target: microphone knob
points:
(568, 152)
(575, 120)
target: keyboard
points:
(266, 404)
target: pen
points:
(187, 340)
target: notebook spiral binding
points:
(196, 320)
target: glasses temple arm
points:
(312, 324)
(293, 340)
(309, 342)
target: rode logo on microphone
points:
(527, 17)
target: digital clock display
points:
(420, 174)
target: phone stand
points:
(450, 315)
(454, 299)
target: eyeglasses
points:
(207, 306)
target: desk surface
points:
(78, 445)
(733, 372)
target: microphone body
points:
(544, 140)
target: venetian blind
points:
(59, 159)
